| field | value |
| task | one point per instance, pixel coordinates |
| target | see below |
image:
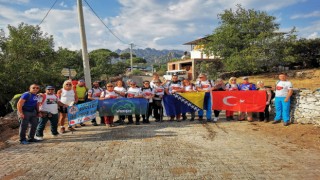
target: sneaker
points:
(24, 142)
(39, 138)
(33, 140)
(200, 118)
(275, 122)
(209, 120)
(81, 124)
(62, 130)
(184, 118)
(192, 119)
(118, 121)
(157, 120)
(71, 129)
(130, 122)
(286, 124)
(215, 119)
(94, 124)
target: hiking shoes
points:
(24, 142)
(39, 138)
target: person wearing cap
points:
(48, 106)
(246, 86)
(157, 100)
(94, 94)
(174, 86)
(81, 91)
(205, 85)
(134, 92)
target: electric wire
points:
(104, 23)
(48, 12)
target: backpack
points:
(44, 97)
(92, 92)
(14, 101)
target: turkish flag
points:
(244, 101)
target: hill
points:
(153, 55)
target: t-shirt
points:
(189, 88)
(81, 92)
(174, 86)
(232, 87)
(282, 88)
(133, 92)
(147, 92)
(109, 94)
(50, 104)
(30, 104)
(96, 92)
(120, 89)
(158, 91)
(246, 87)
(205, 85)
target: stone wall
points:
(305, 107)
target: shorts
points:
(62, 109)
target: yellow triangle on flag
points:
(197, 98)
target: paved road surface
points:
(169, 150)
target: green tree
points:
(245, 40)
(126, 56)
(27, 55)
(307, 52)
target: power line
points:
(104, 23)
(47, 13)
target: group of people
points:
(37, 109)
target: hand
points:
(267, 103)
(21, 115)
(39, 114)
(286, 100)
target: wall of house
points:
(196, 54)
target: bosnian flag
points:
(244, 101)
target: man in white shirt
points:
(284, 91)
(205, 85)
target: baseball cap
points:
(245, 77)
(49, 87)
(81, 80)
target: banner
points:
(123, 106)
(82, 112)
(244, 101)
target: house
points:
(189, 62)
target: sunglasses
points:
(50, 89)
(68, 84)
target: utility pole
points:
(131, 61)
(85, 56)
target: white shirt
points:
(67, 97)
(109, 94)
(158, 91)
(146, 93)
(189, 88)
(133, 92)
(96, 92)
(205, 85)
(49, 103)
(282, 88)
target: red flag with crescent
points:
(244, 101)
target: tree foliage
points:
(248, 40)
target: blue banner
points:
(82, 112)
(123, 106)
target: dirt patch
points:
(304, 135)
(15, 174)
(182, 170)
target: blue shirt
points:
(31, 101)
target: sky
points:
(159, 24)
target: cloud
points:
(304, 16)
(165, 24)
